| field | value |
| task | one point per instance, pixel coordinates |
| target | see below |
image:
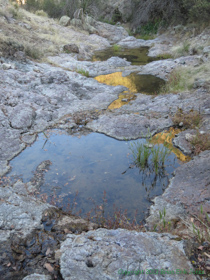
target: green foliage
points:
(106, 21)
(116, 47)
(149, 156)
(83, 72)
(164, 56)
(202, 228)
(197, 10)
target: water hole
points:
(92, 163)
(147, 84)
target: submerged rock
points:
(115, 254)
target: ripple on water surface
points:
(92, 164)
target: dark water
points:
(92, 164)
(147, 84)
(135, 83)
(136, 56)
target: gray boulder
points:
(64, 20)
(115, 254)
(71, 48)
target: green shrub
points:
(197, 10)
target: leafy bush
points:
(197, 10)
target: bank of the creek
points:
(61, 131)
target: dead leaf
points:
(49, 267)
(192, 219)
(73, 178)
(48, 251)
(207, 254)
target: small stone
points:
(71, 48)
(6, 66)
(189, 137)
(180, 124)
(124, 100)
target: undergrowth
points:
(189, 119)
(200, 142)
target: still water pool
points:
(91, 164)
(137, 56)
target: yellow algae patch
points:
(116, 79)
(124, 98)
(166, 138)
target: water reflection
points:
(137, 56)
(147, 84)
(92, 164)
(166, 138)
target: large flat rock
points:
(128, 126)
(107, 254)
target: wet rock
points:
(64, 20)
(37, 180)
(187, 191)
(106, 254)
(36, 276)
(71, 48)
(22, 117)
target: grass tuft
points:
(83, 72)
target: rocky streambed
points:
(39, 241)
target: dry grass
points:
(44, 37)
(201, 142)
(189, 119)
(183, 78)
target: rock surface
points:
(187, 191)
(36, 276)
(106, 254)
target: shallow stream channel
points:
(85, 169)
